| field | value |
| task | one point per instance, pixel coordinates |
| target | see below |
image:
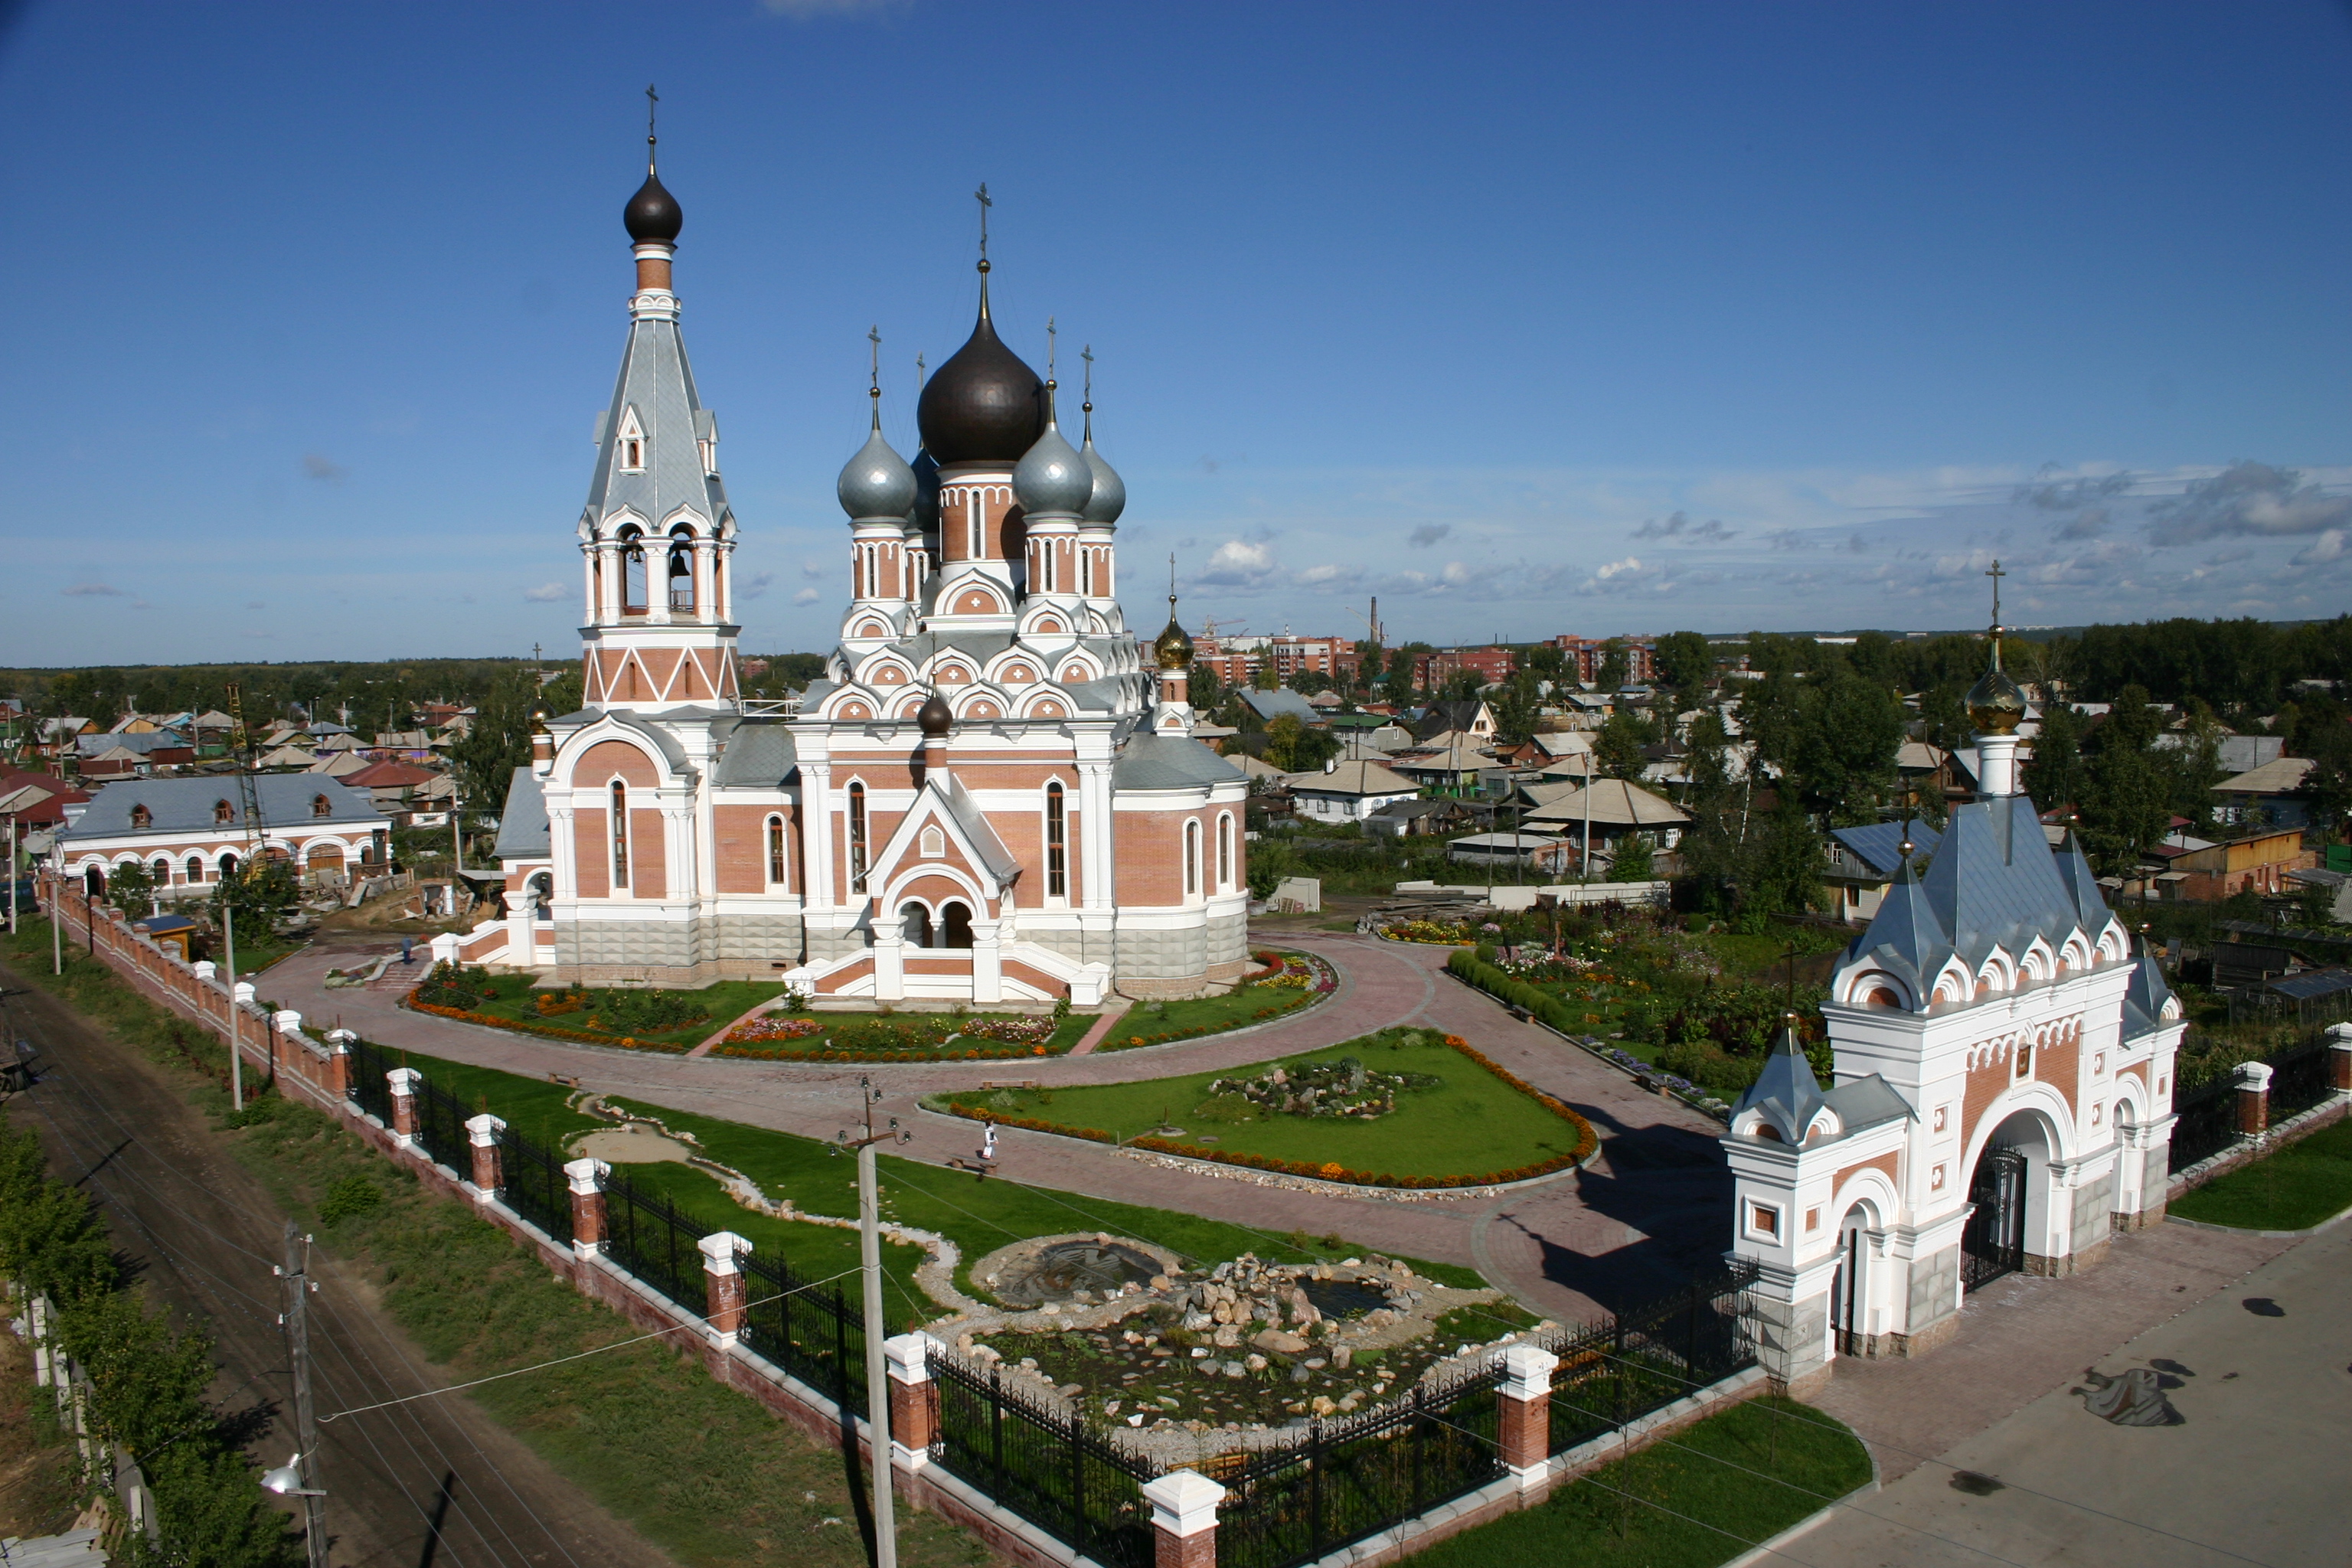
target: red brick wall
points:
(740, 842)
(648, 855)
(608, 760)
(592, 856)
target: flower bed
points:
(1283, 982)
(1436, 933)
(584, 1037)
(913, 1038)
(1328, 1171)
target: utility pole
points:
(236, 1052)
(12, 873)
(869, 1259)
(306, 1423)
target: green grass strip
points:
(2292, 1188)
(1699, 1498)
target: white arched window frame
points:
(620, 812)
(1191, 857)
(632, 442)
(857, 844)
(776, 865)
(1058, 840)
(1225, 852)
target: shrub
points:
(354, 1194)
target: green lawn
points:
(725, 1000)
(1699, 1498)
(2308, 1181)
(1156, 1023)
(901, 1036)
(1473, 1122)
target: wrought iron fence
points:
(532, 1183)
(811, 1330)
(1647, 1357)
(2207, 1122)
(2301, 1077)
(655, 1242)
(441, 1127)
(369, 1090)
(1045, 1465)
(1342, 1480)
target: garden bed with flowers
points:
(1402, 1108)
(902, 1037)
(1283, 982)
(1437, 933)
(631, 1018)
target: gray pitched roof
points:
(1867, 1103)
(657, 381)
(1995, 882)
(522, 824)
(182, 805)
(1786, 1091)
(1271, 705)
(974, 823)
(2144, 998)
(759, 755)
(1878, 845)
(140, 743)
(1150, 760)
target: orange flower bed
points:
(584, 1036)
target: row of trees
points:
(148, 1380)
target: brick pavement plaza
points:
(1650, 1209)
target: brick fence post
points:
(722, 1280)
(338, 1064)
(1184, 1519)
(482, 1134)
(403, 1081)
(2253, 1081)
(2339, 1046)
(589, 1231)
(914, 1399)
(1523, 1423)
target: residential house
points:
(1347, 792)
(2258, 863)
(187, 831)
(1587, 655)
(2264, 796)
(1861, 862)
(36, 800)
(1616, 810)
(390, 785)
(1471, 715)
(1490, 665)
(1268, 706)
(1426, 818)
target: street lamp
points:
(286, 1480)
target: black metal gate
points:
(1993, 1244)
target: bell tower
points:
(656, 536)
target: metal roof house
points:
(186, 830)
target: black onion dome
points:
(653, 213)
(984, 406)
(934, 718)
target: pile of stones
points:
(1344, 1088)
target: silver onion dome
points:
(1109, 497)
(1053, 481)
(876, 483)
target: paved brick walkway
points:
(2020, 1337)
(1632, 1226)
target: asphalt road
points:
(437, 1483)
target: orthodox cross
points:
(1050, 340)
(1996, 573)
(1088, 354)
(873, 336)
(1172, 584)
(652, 100)
(920, 373)
(981, 195)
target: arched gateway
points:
(2000, 1097)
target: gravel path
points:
(1654, 1207)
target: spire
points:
(1109, 497)
(1171, 650)
(653, 215)
(1786, 1092)
(981, 195)
(1996, 705)
(984, 406)
(876, 484)
(1052, 479)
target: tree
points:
(1846, 744)
(2055, 777)
(1203, 688)
(1615, 665)
(1684, 661)
(258, 894)
(1618, 748)
(2315, 904)
(1633, 862)
(2323, 733)
(1294, 748)
(1783, 867)
(130, 887)
(1262, 676)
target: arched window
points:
(955, 921)
(775, 851)
(321, 807)
(915, 924)
(857, 838)
(195, 868)
(681, 570)
(633, 571)
(1225, 852)
(1191, 857)
(161, 871)
(93, 882)
(222, 812)
(142, 818)
(1057, 848)
(620, 836)
(227, 867)
(633, 444)
(934, 843)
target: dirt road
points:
(435, 1483)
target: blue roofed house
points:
(1859, 863)
(2000, 1098)
(186, 831)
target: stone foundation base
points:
(1933, 1337)
(1805, 1384)
(2152, 1214)
(2074, 1262)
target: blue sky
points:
(1527, 319)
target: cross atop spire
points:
(981, 195)
(1996, 573)
(873, 336)
(653, 101)
(1052, 340)
(1172, 584)
(1088, 354)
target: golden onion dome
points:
(1172, 650)
(1996, 705)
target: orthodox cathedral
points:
(991, 795)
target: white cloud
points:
(754, 586)
(545, 593)
(1237, 562)
(808, 596)
(2328, 547)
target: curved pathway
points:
(1632, 1225)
